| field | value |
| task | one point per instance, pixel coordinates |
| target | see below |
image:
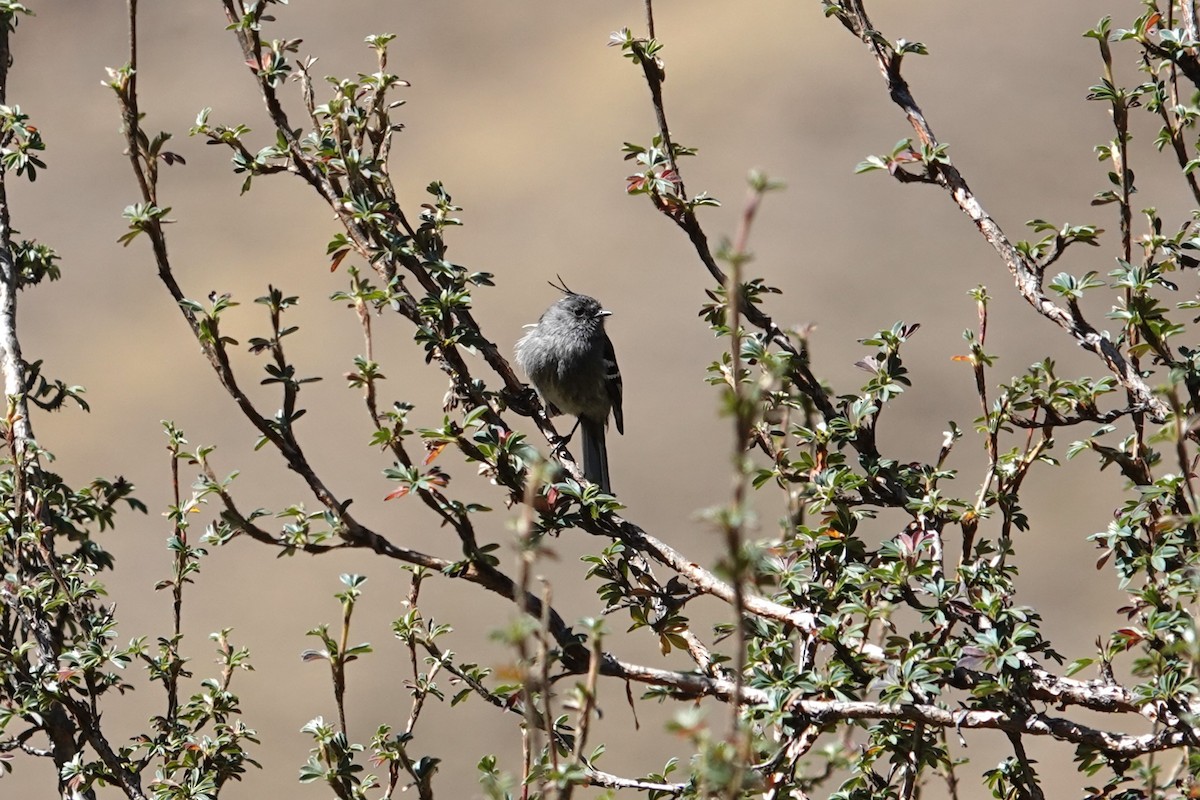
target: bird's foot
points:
(563, 441)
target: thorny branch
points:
(1026, 275)
(1100, 696)
(825, 712)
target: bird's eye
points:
(580, 312)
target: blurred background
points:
(521, 110)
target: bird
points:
(570, 360)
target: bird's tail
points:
(595, 454)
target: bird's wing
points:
(612, 383)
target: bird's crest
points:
(561, 285)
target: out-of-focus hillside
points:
(521, 109)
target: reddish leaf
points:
(403, 490)
(435, 450)
(337, 259)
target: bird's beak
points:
(604, 313)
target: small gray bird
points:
(569, 358)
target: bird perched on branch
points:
(569, 358)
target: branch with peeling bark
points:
(827, 712)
